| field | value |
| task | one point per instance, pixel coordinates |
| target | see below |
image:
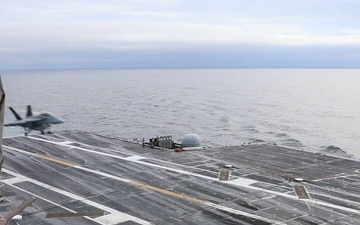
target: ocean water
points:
(308, 109)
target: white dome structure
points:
(191, 140)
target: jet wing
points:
(23, 122)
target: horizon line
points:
(168, 68)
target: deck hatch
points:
(301, 192)
(224, 175)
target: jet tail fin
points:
(28, 112)
(15, 113)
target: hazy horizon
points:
(148, 34)
(182, 68)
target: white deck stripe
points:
(117, 218)
(127, 159)
(234, 211)
(39, 197)
(239, 184)
(135, 158)
(126, 153)
(102, 174)
(107, 219)
(110, 218)
(19, 150)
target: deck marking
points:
(334, 177)
(55, 160)
(130, 160)
(235, 182)
(42, 156)
(135, 158)
(14, 180)
(19, 150)
(109, 219)
(61, 142)
(102, 174)
(37, 196)
(117, 215)
(234, 211)
(167, 192)
(242, 182)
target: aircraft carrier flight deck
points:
(82, 178)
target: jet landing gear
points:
(47, 132)
(27, 131)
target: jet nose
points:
(58, 121)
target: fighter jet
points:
(39, 122)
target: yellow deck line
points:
(55, 160)
(133, 182)
(156, 189)
(166, 192)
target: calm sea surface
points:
(311, 109)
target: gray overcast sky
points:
(179, 33)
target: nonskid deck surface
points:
(124, 183)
